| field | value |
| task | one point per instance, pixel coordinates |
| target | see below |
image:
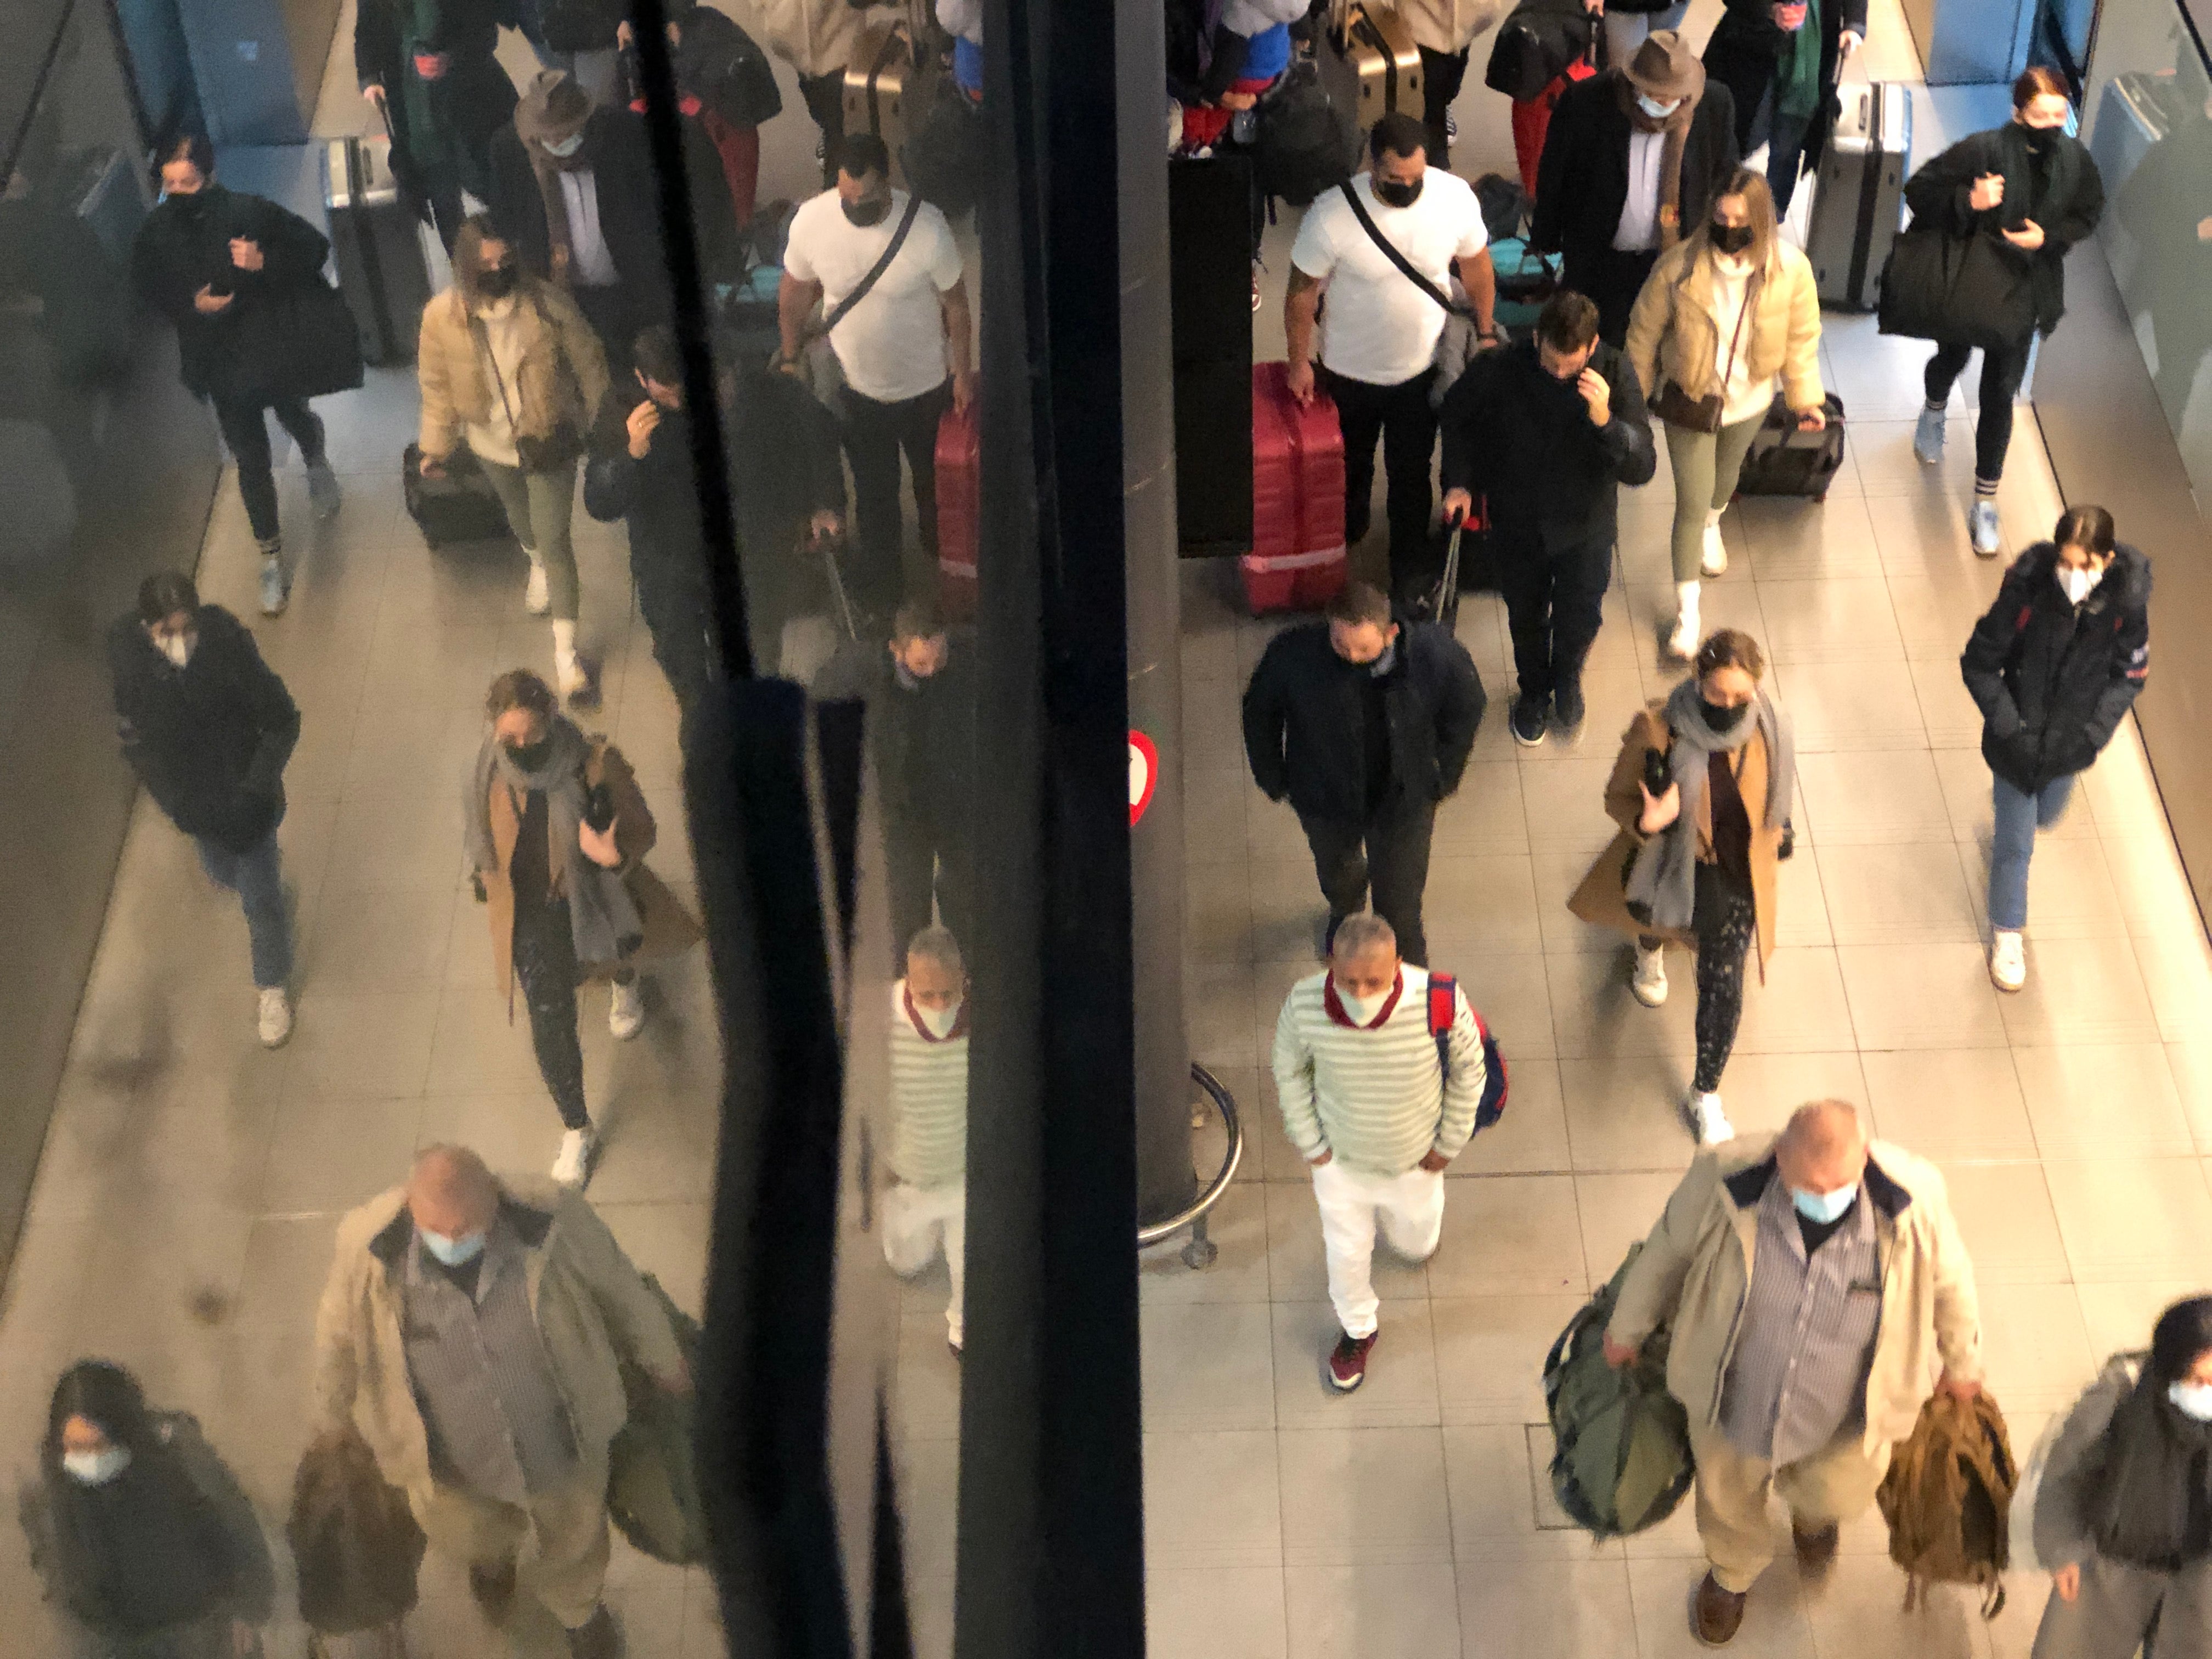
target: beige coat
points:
(1449, 26)
(562, 379)
(1671, 334)
(1694, 1275)
(594, 1312)
(1602, 899)
(816, 36)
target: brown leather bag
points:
(1677, 408)
(354, 1539)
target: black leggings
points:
(245, 430)
(2002, 373)
(545, 966)
(1724, 919)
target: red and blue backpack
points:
(1443, 1011)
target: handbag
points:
(299, 341)
(819, 370)
(558, 447)
(1960, 290)
(1677, 408)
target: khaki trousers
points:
(557, 1544)
(1834, 1484)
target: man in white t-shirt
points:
(1381, 331)
(904, 348)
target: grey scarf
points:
(602, 917)
(1663, 876)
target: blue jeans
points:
(258, 877)
(2019, 816)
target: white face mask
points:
(1362, 1010)
(2078, 583)
(1655, 108)
(2192, 1399)
(453, 1251)
(178, 647)
(96, 1468)
(563, 147)
(1823, 1208)
(939, 1022)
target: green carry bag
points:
(652, 1486)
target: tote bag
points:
(1962, 290)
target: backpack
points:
(354, 1543)
(1620, 1459)
(1302, 143)
(948, 156)
(1948, 1498)
(1443, 1011)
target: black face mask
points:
(1721, 718)
(2038, 141)
(529, 757)
(497, 282)
(868, 211)
(1393, 193)
(1731, 239)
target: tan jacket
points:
(593, 1310)
(1694, 1274)
(1449, 26)
(1671, 334)
(816, 36)
(1602, 899)
(562, 379)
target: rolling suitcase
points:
(884, 89)
(1297, 559)
(1785, 461)
(1858, 200)
(376, 239)
(959, 510)
(1374, 57)
(458, 507)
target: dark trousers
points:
(1400, 418)
(1612, 278)
(1725, 918)
(1553, 608)
(825, 102)
(1785, 154)
(545, 970)
(875, 436)
(1441, 74)
(2002, 373)
(1394, 864)
(677, 623)
(922, 866)
(617, 317)
(246, 435)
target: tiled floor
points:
(184, 1211)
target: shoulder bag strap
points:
(1444, 1012)
(875, 271)
(1390, 252)
(482, 336)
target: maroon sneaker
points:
(1347, 1362)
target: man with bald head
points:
(1812, 1284)
(474, 1331)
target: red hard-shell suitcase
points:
(1296, 561)
(959, 510)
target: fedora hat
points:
(554, 108)
(1665, 68)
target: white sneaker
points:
(626, 1012)
(2007, 961)
(275, 1023)
(323, 491)
(276, 590)
(1713, 561)
(1982, 526)
(537, 598)
(1649, 983)
(574, 1167)
(1683, 641)
(1927, 436)
(1709, 1120)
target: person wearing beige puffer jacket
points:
(1445, 31)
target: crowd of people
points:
(482, 1334)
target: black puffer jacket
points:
(2067, 205)
(209, 740)
(2053, 681)
(185, 246)
(1303, 724)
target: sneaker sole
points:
(1526, 742)
(1646, 998)
(1330, 1377)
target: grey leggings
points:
(538, 507)
(1706, 466)
(2168, 1614)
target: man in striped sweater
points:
(1367, 1104)
(926, 1203)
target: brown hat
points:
(555, 107)
(1664, 68)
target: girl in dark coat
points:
(2029, 184)
(2060, 657)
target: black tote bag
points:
(1959, 290)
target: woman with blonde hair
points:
(510, 370)
(1728, 312)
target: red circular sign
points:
(1143, 774)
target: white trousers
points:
(1409, 1208)
(917, 1221)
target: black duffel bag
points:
(1961, 290)
(1302, 143)
(1535, 45)
(298, 341)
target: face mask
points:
(97, 1468)
(2039, 140)
(868, 211)
(1383, 664)
(453, 1251)
(1731, 240)
(178, 647)
(497, 282)
(2192, 1399)
(1824, 1207)
(2078, 584)
(1655, 108)
(940, 1021)
(563, 147)
(529, 757)
(1721, 717)
(1361, 1010)
(1392, 193)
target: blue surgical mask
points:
(1657, 110)
(453, 1251)
(2192, 1399)
(96, 1468)
(562, 148)
(1821, 1208)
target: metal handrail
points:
(1201, 1250)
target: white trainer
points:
(574, 1167)
(1683, 641)
(1707, 1118)
(275, 586)
(276, 1018)
(1649, 982)
(1982, 528)
(1927, 436)
(626, 1012)
(537, 598)
(323, 491)
(2007, 961)
(1713, 561)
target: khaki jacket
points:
(1671, 334)
(1449, 26)
(817, 37)
(562, 379)
(1602, 899)
(1694, 1274)
(594, 1309)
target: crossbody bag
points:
(816, 359)
(1677, 408)
(557, 448)
(1457, 345)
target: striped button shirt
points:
(1798, 1376)
(929, 1098)
(1375, 1096)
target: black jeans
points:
(545, 970)
(2002, 373)
(1395, 862)
(1401, 416)
(875, 435)
(617, 317)
(245, 433)
(921, 865)
(1441, 74)
(1612, 278)
(825, 102)
(1553, 609)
